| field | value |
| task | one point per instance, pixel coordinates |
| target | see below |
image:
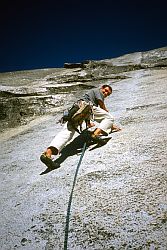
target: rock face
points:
(119, 200)
(27, 94)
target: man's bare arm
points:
(102, 105)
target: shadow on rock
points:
(75, 147)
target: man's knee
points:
(110, 117)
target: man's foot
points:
(48, 161)
(115, 129)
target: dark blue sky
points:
(46, 34)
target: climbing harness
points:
(75, 116)
(70, 198)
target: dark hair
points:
(107, 86)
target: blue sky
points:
(46, 34)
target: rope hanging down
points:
(70, 198)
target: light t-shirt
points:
(93, 96)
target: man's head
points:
(106, 90)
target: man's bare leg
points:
(98, 131)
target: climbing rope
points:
(70, 198)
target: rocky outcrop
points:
(128, 62)
(24, 98)
(27, 94)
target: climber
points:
(95, 99)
